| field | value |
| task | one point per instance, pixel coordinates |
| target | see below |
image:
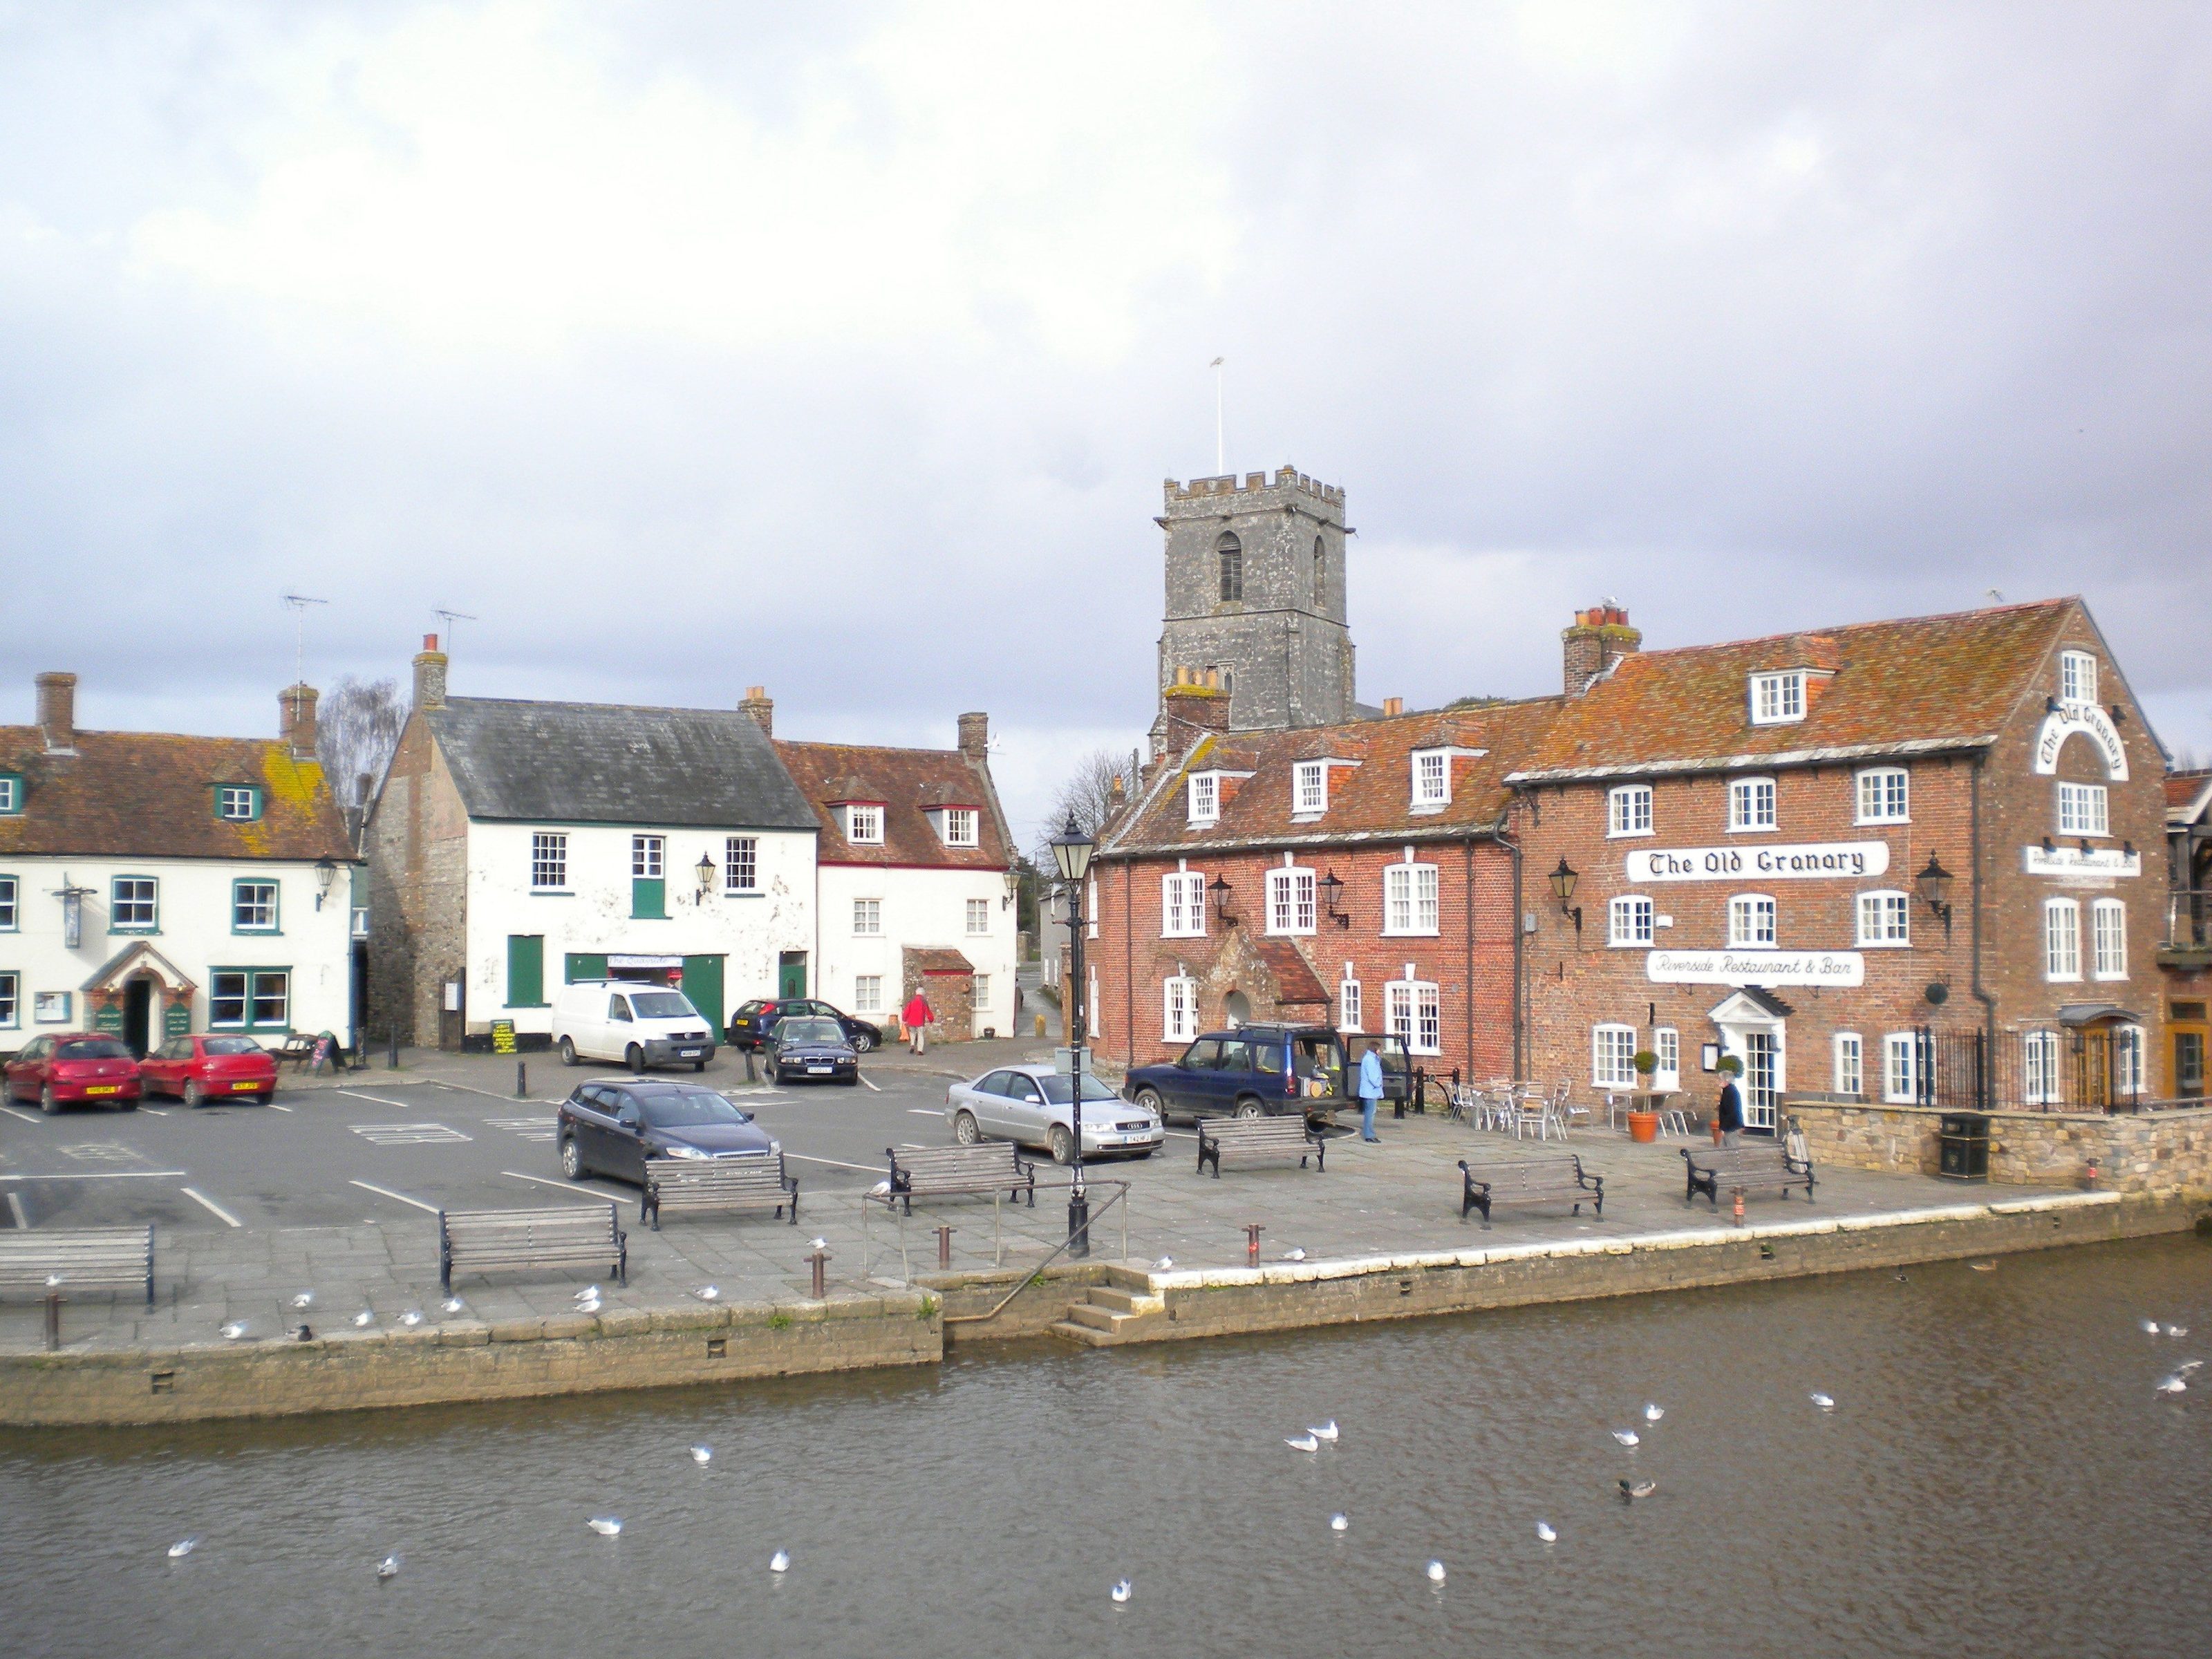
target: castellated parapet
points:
(1286, 477)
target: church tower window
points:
(1230, 551)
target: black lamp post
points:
(706, 872)
(1563, 888)
(1071, 851)
(1935, 886)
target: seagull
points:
(53, 1281)
(1121, 1590)
(305, 1299)
(2187, 1366)
(1633, 1489)
(1826, 1402)
(1985, 1267)
(1652, 1413)
(183, 1548)
(412, 1316)
(1628, 1436)
(1294, 1255)
(1544, 1531)
(702, 1454)
(1339, 1521)
(2177, 1330)
(1326, 1431)
(2150, 1327)
(451, 1304)
(364, 1318)
(1302, 1442)
(780, 1562)
(707, 1293)
(2172, 1385)
(818, 1244)
(1436, 1572)
(589, 1293)
(387, 1568)
(607, 1526)
(1164, 1265)
(236, 1329)
(1902, 1279)
(879, 1188)
(590, 1307)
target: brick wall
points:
(417, 845)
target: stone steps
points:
(1111, 1314)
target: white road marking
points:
(871, 1085)
(209, 1205)
(838, 1163)
(26, 1116)
(15, 1209)
(99, 1175)
(924, 1111)
(406, 1134)
(542, 1180)
(274, 1107)
(386, 1192)
(98, 1152)
(379, 1100)
(465, 1088)
(153, 1111)
(530, 1128)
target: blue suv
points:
(1254, 1071)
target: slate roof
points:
(586, 763)
(909, 781)
(1369, 802)
(151, 794)
(1921, 684)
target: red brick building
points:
(1905, 860)
(2184, 953)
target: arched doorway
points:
(1237, 1008)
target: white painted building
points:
(154, 884)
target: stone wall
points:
(2136, 1152)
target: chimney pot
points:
(430, 675)
(760, 708)
(1394, 705)
(1196, 703)
(975, 737)
(296, 719)
(1600, 637)
(57, 712)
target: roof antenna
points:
(450, 617)
(1996, 598)
(298, 603)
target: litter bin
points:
(1962, 1140)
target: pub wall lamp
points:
(705, 869)
(1330, 887)
(1220, 890)
(326, 872)
(1933, 884)
(1562, 888)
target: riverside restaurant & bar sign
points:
(1844, 968)
(1839, 860)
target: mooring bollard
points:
(1252, 1231)
(820, 1260)
(749, 1075)
(1739, 1205)
(392, 1056)
(944, 1247)
(53, 1321)
(522, 1079)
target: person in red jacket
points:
(916, 1016)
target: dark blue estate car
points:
(1254, 1071)
(611, 1128)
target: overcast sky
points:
(693, 346)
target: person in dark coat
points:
(1727, 1116)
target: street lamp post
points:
(1071, 851)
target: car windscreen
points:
(689, 1109)
(661, 1005)
(91, 1049)
(809, 1031)
(233, 1046)
(1056, 1092)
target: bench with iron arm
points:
(979, 1171)
(1258, 1140)
(1530, 1180)
(113, 1257)
(572, 1236)
(1711, 1168)
(720, 1183)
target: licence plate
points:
(248, 1084)
(817, 1071)
(103, 1088)
(687, 1053)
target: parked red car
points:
(74, 1068)
(202, 1068)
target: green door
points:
(703, 984)
(584, 965)
(791, 975)
(526, 970)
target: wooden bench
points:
(109, 1256)
(1258, 1140)
(572, 1236)
(1711, 1168)
(979, 1171)
(721, 1183)
(1532, 1180)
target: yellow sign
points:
(502, 1036)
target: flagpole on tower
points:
(1221, 449)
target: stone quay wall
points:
(2146, 1152)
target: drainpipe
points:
(1981, 992)
(1128, 969)
(1467, 847)
(1520, 956)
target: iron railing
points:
(2065, 1071)
(2188, 917)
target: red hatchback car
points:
(202, 1068)
(74, 1068)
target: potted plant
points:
(1643, 1113)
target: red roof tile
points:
(2188, 794)
(1295, 979)
(927, 959)
(909, 781)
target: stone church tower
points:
(1256, 596)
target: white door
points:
(1762, 1077)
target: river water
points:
(1998, 1476)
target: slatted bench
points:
(109, 1257)
(572, 1236)
(979, 1171)
(1244, 1140)
(1529, 1180)
(1749, 1168)
(721, 1183)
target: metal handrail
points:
(1036, 1273)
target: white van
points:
(624, 1019)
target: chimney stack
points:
(429, 674)
(57, 712)
(976, 738)
(1196, 701)
(760, 708)
(1600, 638)
(1393, 705)
(296, 719)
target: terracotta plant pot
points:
(1643, 1126)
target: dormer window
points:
(11, 793)
(960, 826)
(237, 803)
(2077, 676)
(1205, 798)
(864, 825)
(1432, 777)
(1309, 787)
(1778, 699)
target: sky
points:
(843, 350)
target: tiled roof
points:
(1371, 801)
(1921, 685)
(2188, 795)
(930, 959)
(151, 794)
(909, 781)
(1295, 979)
(588, 762)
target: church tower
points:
(1256, 597)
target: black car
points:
(1253, 1071)
(752, 1025)
(611, 1128)
(813, 1048)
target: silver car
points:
(1031, 1106)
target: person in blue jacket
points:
(1371, 1091)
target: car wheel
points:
(47, 1103)
(862, 1042)
(698, 1065)
(568, 1052)
(194, 1094)
(572, 1158)
(853, 1081)
(633, 1057)
(127, 1105)
(1248, 1107)
(1063, 1144)
(1146, 1153)
(1150, 1101)
(966, 1130)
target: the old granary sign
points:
(1848, 861)
(2093, 723)
(1844, 968)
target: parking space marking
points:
(924, 1111)
(530, 1128)
(98, 1152)
(15, 1209)
(545, 1180)
(99, 1175)
(274, 1107)
(378, 1099)
(154, 1111)
(838, 1163)
(871, 1085)
(406, 1134)
(26, 1116)
(386, 1192)
(210, 1206)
